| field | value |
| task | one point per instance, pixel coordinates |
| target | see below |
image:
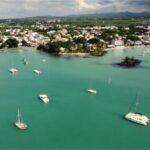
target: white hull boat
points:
(92, 91)
(13, 70)
(137, 118)
(25, 61)
(44, 98)
(19, 123)
(37, 72)
(21, 126)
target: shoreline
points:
(125, 47)
(77, 54)
(18, 48)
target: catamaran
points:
(44, 98)
(137, 117)
(19, 123)
(13, 70)
(93, 91)
(37, 71)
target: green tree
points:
(94, 41)
(132, 38)
(80, 40)
(2, 46)
(24, 43)
(11, 43)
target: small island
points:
(129, 62)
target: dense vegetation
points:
(69, 47)
(11, 43)
(25, 44)
(129, 62)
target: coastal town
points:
(74, 74)
(56, 37)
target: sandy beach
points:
(124, 48)
(18, 48)
(75, 54)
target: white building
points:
(118, 42)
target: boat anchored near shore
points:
(44, 98)
(19, 123)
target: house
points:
(118, 42)
(130, 43)
(138, 43)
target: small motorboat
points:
(37, 71)
(13, 70)
(92, 91)
(25, 61)
(44, 98)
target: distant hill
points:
(120, 15)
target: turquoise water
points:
(73, 119)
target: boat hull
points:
(44, 99)
(92, 91)
(137, 118)
(37, 72)
(21, 126)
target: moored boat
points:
(92, 91)
(44, 98)
(137, 117)
(13, 70)
(25, 61)
(37, 71)
(19, 123)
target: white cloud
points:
(84, 5)
(23, 8)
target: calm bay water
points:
(73, 119)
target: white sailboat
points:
(19, 123)
(137, 117)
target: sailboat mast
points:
(18, 116)
(137, 102)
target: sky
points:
(27, 8)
